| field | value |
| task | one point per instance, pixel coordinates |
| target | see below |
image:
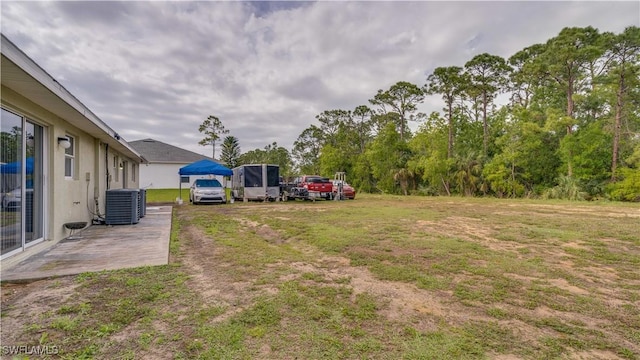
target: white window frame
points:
(116, 168)
(70, 154)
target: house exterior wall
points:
(160, 176)
(166, 176)
(71, 199)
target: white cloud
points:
(158, 69)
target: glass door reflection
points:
(11, 185)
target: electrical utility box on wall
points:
(122, 207)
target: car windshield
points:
(317, 180)
(208, 183)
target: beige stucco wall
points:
(71, 200)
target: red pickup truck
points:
(316, 185)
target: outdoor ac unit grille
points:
(142, 202)
(122, 207)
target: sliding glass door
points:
(21, 182)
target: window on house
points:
(116, 168)
(70, 158)
(133, 172)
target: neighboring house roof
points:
(155, 151)
(22, 75)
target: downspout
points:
(96, 178)
(106, 164)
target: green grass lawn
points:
(170, 195)
(381, 277)
(167, 195)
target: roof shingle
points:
(158, 152)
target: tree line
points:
(568, 126)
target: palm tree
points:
(468, 175)
(403, 176)
(230, 151)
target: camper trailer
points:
(256, 182)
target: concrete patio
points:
(97, 248)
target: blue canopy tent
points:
(204, 167)
(9, 174)
(16, 166)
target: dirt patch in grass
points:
(23, 305)
(402, 301)
(468, 229)
(205, 275)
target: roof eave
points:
(67, 106)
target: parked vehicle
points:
(207, 191)
(308, 187)
(12, 200)
(348, 192)
(256, 182)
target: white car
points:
(207, 191)
(12, 200)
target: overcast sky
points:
(266, 69)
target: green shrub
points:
(568, 188)
(627, 189)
